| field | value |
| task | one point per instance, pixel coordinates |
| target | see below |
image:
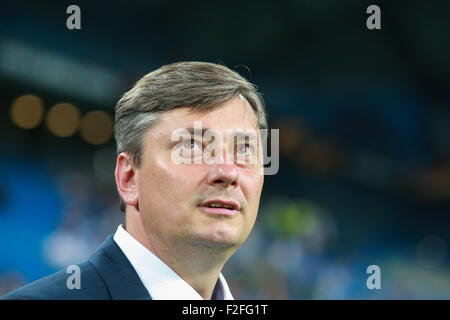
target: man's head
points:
(172, 199)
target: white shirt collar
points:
(158, 278)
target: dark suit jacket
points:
(106, 275)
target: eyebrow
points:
(235, 134)
(193, 132)
(240, 134)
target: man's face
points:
(171, 196)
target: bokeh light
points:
(27, 111)
(96, 127)
(63, 119)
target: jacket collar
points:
(118, 274)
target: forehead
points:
(235, 114)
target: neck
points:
(198, 265)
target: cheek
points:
(251, 184)
(168, 185)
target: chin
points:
(219, 240)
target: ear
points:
(126, 181)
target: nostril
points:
(225, 182)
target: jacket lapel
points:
(117, 272)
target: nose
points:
(223, 175)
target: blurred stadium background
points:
(364, 119)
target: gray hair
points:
(200, 85)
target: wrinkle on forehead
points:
(241, 115)
(184, 117)
(243, 102)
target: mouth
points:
(220, 207)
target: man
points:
(190, 193)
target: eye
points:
(244, 149)
(191, 144)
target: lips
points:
(221, 207)
(229, 204)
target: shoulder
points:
(57, 286)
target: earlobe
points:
(125, 175)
